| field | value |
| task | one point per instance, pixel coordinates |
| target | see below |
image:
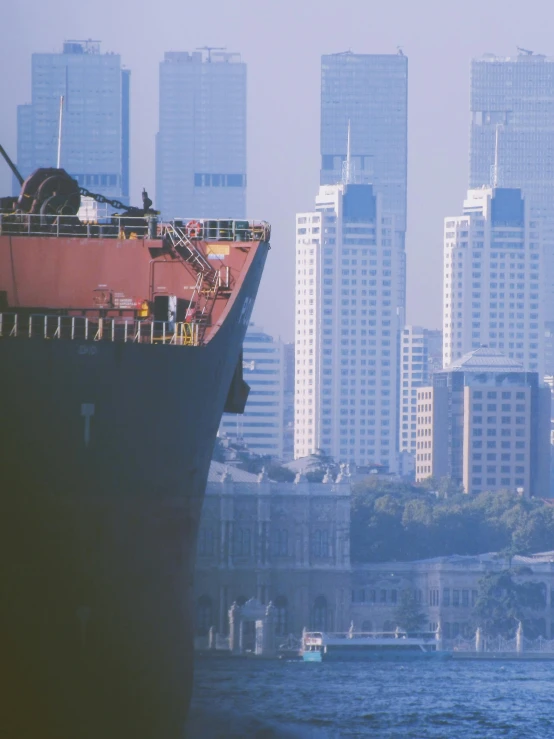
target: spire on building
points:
(347, 164)
(495, 169)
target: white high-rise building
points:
(201, 144)
(350, 299)
(261, 426)
(493, 292)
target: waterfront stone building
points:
(446, 589)
(289, 543)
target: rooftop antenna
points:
(496, 167)
(209, 49)
(60, 123)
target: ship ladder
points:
(185, 250)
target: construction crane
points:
(525, 51)
(11, 165)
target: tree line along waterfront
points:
(395, 521)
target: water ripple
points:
(247, 699)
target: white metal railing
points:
(114, 227)
(131, 226)
(369, 634)
(82, 328)
(499, 644)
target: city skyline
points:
(283, 178)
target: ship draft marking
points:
(87, 411)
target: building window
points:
(319, 614)
(280, 543)
(243, 543)
(320, 546)
(281, 615)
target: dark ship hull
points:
(105, 450)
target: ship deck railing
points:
(132, 227)
(82, 328)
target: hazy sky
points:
(282, 43)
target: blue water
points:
(248, 699)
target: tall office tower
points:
(201, 144)
(261, 427)
(414, 373)
(95, 117)
(512, 112)
(350, 300)
(485, 423)
(512, 138)
(493, 292)
(371, 92)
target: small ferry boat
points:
(318, 646)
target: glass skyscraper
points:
(514, 96)
(95, 130)
(201, 144)
(370, 91)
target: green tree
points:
(392, 520)
(409, 614)
(278, 473)
(503, 600)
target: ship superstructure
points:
(120, 347)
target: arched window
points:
(281, 615)
(367, 626)
(389, 626)
(203, 615)
(455, 629)
(319, 616)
